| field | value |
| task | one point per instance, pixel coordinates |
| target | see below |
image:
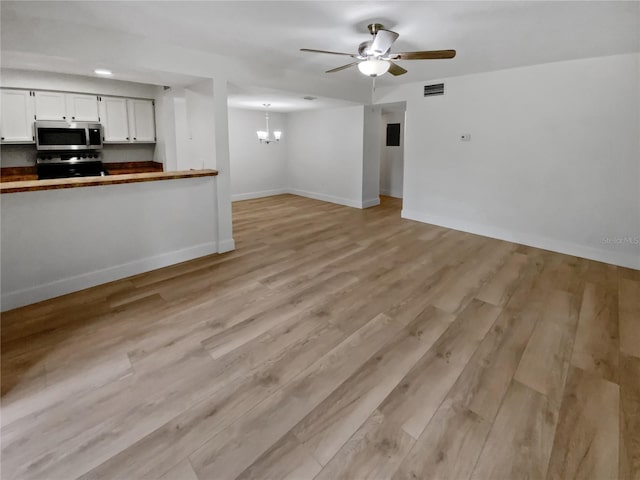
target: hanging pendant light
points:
(264, 135)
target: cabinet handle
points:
(64, 118)
(134, 138)
(127, 138)
(73, 118)
(2, 138)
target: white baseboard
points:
(303, 193)
(389, 193)
(327, 198)
(226, 245)
(263, 193)
(372, 202)
(63, 286)
(545, 243)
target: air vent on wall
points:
(435, 89)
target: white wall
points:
(200, 126)
(15, 78)
(371, 156)
(166, 142)
(553, 161)
(392, 158)
(325, 152)
(58, 241)
(257, 170)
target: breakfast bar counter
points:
(75, 182)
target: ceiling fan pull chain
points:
(373, 90)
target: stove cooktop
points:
(70, 164)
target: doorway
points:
(392, 150)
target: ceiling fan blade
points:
(382, 41)
(337, 69)
(396, 69)
(426, 55)
(326, 51)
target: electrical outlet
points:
(465, 137)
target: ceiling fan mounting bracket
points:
(374, 27)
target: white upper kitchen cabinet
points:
(50, 105)
(81, 107)
(66, 106)
(114, 119)
(142, 125)
(16, 121)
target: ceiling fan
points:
(374, 57)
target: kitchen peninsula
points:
(58, 238)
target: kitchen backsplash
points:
(25, 155)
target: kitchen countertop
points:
(14, 174)
(76, 182)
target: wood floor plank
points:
(414, 401)
(68, 448)
(520, 441)
(597, 338)
(629, 316)
(257, 370)
(629, 417)
(286, 459)
(545, 361)
(255, 325)
(375, 451)
(486, 377)
(332, 422)
(467, 278)
(449, 447)
(182, 471)
(500, 288)
(586, 439)
(227, 454)
(452, 441)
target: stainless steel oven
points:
(61, 135)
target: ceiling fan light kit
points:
(374, 67)
(264, 136)
(374, 57)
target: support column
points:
(223, 180)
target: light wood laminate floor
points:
(333, 343)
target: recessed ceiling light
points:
(102, 71)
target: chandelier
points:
(264, 135)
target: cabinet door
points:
(83, 108)
(16, 121)
(113, 115)
(142, 125)
(50, 106)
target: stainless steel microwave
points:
(62, 135)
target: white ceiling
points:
(254, 98)
(266, 36)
